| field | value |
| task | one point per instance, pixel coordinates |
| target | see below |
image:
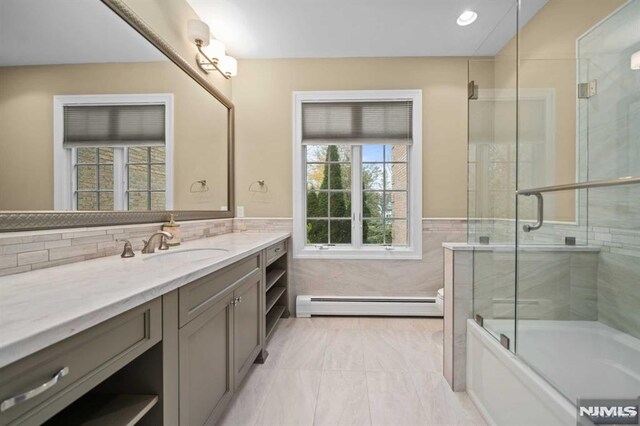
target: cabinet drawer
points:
(275, 251)
(198, 296)
(85, 360)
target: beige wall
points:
(26, 136)
(262, 93)
(547, 53)
(169, 19)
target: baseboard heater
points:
(307, 306)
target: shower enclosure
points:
(554, 193)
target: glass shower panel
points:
(492, 179)
(577, 293)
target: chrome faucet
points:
(150, 247)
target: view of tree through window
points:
(384, 171)
(384, 196)
(328, 194)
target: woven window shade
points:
(114, 125)
(332, 123)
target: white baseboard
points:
(307, 306)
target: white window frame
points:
(414, 214)
(63, 159)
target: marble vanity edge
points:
(22, 344)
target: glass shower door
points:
(492, 181)
(577, 253)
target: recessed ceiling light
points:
(467, 17)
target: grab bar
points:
(537, 192)
(628, 180)
(538, 224)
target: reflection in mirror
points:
(94, 117)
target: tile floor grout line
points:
(366, 383)
(315, 408)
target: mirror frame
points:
(11, 221)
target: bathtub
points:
(578, 359)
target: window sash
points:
(121, 190)
(357, 197)
(414, 179)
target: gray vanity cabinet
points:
(220, 317)
(37, 387)
(206, 350)
(247, 311)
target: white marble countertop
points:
(41, 308)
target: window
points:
(113, 152)
(357, 175)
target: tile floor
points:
(351, 371)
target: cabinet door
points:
(248, 313)
(206, 364)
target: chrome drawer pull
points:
(8, 403)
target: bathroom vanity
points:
(155, 339)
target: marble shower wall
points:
(555, 283)
(610, 136)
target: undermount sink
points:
(186, 255)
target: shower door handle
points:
(538, 224)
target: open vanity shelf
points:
(276, 287)
(105, 410)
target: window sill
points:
(400, 253)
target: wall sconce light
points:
(635, 61)
(211, 54)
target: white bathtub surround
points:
(608, 365)
(556, 282)
(40, 308)
(32, 250)
(506, 390)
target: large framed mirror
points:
(103, 123)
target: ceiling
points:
(360, 28)
(36, 32)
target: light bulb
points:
(215, 50)
(198, 31)
(467, 17)
(228, 65)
